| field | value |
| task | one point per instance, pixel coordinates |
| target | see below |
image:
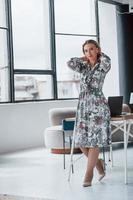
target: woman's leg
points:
(93, 154)
(92, 158)
(100, 167)
(85, 151)
(99, 164)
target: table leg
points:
(128, 130)
(125, 152)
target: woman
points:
(93, 116)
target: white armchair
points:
(53, 135)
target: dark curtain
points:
(125, 51)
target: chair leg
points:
(111, 155)
(64, 162)
(71, 156)
(70, 141)
(109, 159)
(104, 158)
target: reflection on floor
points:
(38, 173)
(14, 197)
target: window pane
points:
(31, 34)
(68, 81)
(4, 84)
(3, 48)
(80, 13)
(32, 87)
(4, 74)
(2, 14)
(108, 33)
(68, 88)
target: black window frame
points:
(52, 72)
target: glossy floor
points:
(39, 173)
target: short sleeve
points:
(105, 63)
(76, 64)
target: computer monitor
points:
(115, 105)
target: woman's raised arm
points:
(77, 64)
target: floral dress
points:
(92, 124)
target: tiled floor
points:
(38, 173)
(14, 197)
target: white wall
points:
(22, 124)
(108, 42)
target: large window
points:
(75, 22)
(4, 66)
(37, 38)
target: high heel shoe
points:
(101, 176)
(87, 180)
(87, 184)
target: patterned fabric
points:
(93, 115)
